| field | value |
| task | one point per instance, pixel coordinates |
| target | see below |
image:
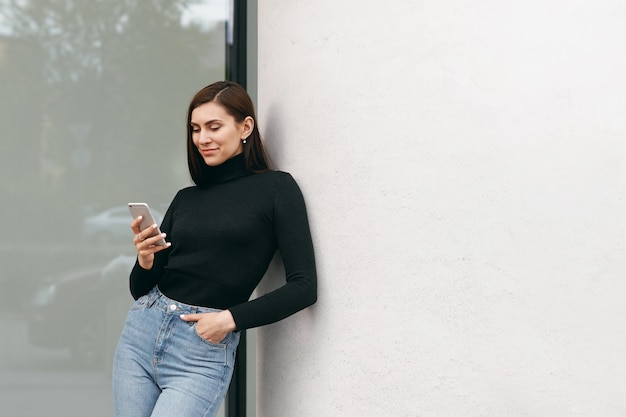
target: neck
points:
(229, 170)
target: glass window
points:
(93, 95)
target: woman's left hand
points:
(212, 327)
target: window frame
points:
(236, 70)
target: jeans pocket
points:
(222, 343)
(142, 302)
(145, 301)
(139, 303)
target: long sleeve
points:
(141, 280)
(224, 236)
(293, 236)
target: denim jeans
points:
(163, 368)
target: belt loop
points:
(154, 295)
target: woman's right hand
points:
(146, 246)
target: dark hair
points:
(236, 101)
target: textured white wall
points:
(463, 165)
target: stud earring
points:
(245, 140)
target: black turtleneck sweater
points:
(224, 236)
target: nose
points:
(205, 136)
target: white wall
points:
(463, 165)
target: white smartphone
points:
(142, 209)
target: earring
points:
(245, 140)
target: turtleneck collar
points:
(231, 169)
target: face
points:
(216, 134)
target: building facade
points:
(463, 167)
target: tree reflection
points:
(92, 114)
(95, 91)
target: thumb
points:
(190, 317)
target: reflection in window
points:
(93, 96)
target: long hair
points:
(236, 101)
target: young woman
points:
(176, 352)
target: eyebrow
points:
(208, 122)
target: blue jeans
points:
(163, 368)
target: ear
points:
(248, 126)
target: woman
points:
(176, 352)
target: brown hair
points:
(236, 101)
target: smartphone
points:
(142, 209)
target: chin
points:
(213, 162)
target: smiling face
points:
(216, 134)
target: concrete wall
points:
(463, 165)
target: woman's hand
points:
(146, 246)
(212, 327)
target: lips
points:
(208, 151)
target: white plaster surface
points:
(464, 170)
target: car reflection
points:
(112, 225)
(82, 310)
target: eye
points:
(215, 127)
(195, 129)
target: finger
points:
(152, 240)
(154, 243)
(148, 251)
(159, 248)
(138, 239)
(190, 317)
(145, 234)
(135, 224)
